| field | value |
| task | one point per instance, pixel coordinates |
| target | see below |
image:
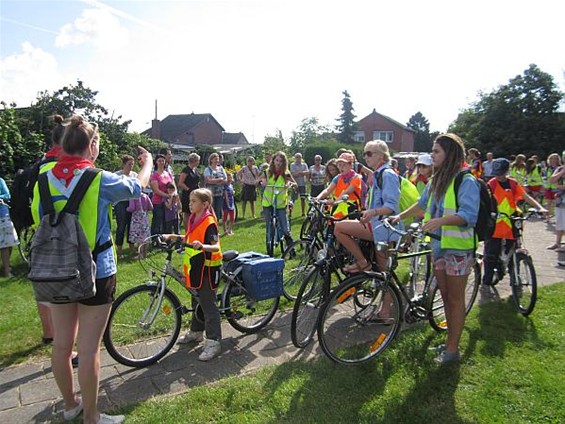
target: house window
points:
(383, 135)
(359, 137)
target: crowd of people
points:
(200, 200)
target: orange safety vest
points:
(196, 265)
(342, 185)
(477, 168)
(506, 200)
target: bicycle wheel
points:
(351, 334)
(141, 330)
(310, 297)
(24, 247)
(437, 319)
(244, 313)
(299, 259)
(524, 284)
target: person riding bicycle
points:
(202, 261)
(507, 192)
(275, 181)
(383, 201)
(347, 182)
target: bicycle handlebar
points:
(414, 229)
(525, 217)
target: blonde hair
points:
(379, 146)
(202, 194)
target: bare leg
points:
(6, 251)
(452, 290)
(346, 232)
(65, 325)
(92, 322)
(244, 207)
(45, 318)
(252, 204)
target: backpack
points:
(62, 266)
(488, 208)
(22, 194)
(408, 193)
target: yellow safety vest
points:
(269, 193)
(453, 237)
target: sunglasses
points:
(369, 153)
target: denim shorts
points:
(455, 264)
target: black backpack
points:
(488, 209)
(22, 194)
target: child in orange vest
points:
(203, 258)
(503, 188)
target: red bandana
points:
(54, 152)
(67, 165)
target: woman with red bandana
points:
(86, 320)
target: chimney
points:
(156, 125)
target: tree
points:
(347, 126)
(309, 132)
(15, 151)
(519, 117)
(273, 144)
(422, 138)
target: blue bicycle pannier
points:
(241, 259)
(263, 278)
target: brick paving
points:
(28, 393)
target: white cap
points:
(424, 159)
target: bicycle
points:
(350, 327)
(145, 321)
(515, 259)
(274, 233)
(316, 287)
(302, 253)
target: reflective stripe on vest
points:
(87, 210)
(269, 194)
(35, 200)
(452, 236)
(198, 234)
(506, 202)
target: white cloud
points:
(26, 73)
(97, 27)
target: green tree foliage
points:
(347, 125)
(519, 117)
(422, 138)
(309, 131)
(15, 151)
(273, 144)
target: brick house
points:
(375, 126)
(193, 129)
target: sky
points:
(260, 66)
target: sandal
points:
(356, 268)
(553, 246)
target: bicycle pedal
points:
(237, 315)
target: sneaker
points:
(74, 361)
(446, 357)
(111, 419)
(71, 414)
(192, 337)
(438, 349)
(212, 348)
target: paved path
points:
(28, 392)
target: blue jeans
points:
(282, 220)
